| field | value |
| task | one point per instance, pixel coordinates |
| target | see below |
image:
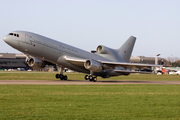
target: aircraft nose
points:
(5, 39)
(12, 41)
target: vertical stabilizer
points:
(126, 49)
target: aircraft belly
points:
(108, 73)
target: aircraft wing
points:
(75, 61)
(81, 61)
(127, 71)
(129, 65)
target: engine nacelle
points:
(36, 63)
(93, 65)
(104, 50)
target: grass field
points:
(90, 102)
(80, 76)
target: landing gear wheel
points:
(57, 76)
(95, 79)
(65, 77)
(86, 77)
(91, 78)
(61, 76)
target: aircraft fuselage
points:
(53, 51)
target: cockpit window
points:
(14, 34)
(10, 33)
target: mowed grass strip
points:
(80, 76)
(90, 102)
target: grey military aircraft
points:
(105, 62)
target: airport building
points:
(148, 60)
(12, 61)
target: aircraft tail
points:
(126, 49)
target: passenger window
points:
(17, 35)
(14, 34)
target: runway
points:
(80, 82)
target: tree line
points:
(173, 61)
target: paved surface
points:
(80, 82)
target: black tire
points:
(61, 77)
(65, 77)
(91, 78)
(86, 77)
(57, 76)
(95, 79)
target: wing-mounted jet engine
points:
(96, 66)
(93, 65)
(36, 63)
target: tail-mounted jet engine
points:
(36, 63)
(93, 65)
(104, 50)
(111, 54)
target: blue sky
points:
(88, 23)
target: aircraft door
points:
(28, 39)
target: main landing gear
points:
(61, 76)
(90, 78)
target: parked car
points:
(177, 73)
(159, 72)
